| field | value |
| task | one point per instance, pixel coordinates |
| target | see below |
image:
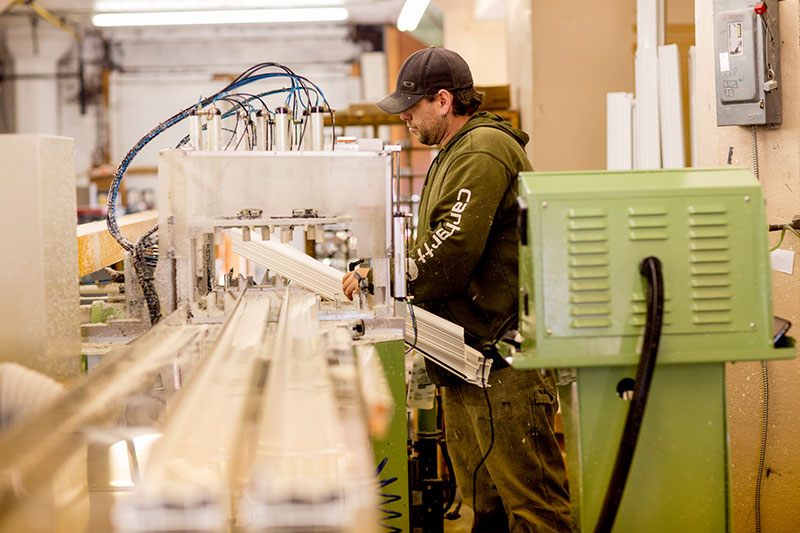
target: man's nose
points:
(405, 115)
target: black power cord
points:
(451, 478)
(491, 440)
(650, 268)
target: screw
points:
(544, 204)
(752, 325)
(746, 198)
(761, 104)
(549, 331)
(627, 395)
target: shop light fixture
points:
(116, 6)
(411, 14)
(227, 16)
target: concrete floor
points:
(463, 524)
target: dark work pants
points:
(522, 485)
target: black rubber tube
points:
(650, 268)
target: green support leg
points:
(394, 446)
(679, 476)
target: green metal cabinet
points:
(583, 309)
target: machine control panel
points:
(583, 298)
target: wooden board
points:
(98, 249)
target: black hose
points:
(650, 267)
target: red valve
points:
(760, 8)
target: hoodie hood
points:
(484, 119)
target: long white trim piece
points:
(442, 342)
(693, 141)
(649, 24)
(291, 263)
(437, 339)
(187, 474)
(670, 102)
(313, 468)
(646, 128)
(619, 131)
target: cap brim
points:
(398, 102)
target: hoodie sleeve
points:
(448, 249)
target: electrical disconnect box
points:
(747, 60)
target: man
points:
(463, 267)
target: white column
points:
(36, 52)
(39, 276)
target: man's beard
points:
(426, 138)
(432, 136)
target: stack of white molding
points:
(655, 138)
(437, 339)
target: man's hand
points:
(350, 281)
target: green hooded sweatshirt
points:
(463, 266)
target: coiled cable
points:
(763, 451)
(764, 371)
(144, 260)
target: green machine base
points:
(679, 476)
(392, 450)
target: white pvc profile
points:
(646, 127)
(313, 466)
(442, 342)
(187, 481)
(670, 102)
(649, 24)
(291, 263)
(619, 131)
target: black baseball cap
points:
(426, 72)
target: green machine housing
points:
(583, 310)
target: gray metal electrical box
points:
(747, 60)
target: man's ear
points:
(445, 99)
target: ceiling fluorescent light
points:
(411, 14)
(241, 16)
(116, 6)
